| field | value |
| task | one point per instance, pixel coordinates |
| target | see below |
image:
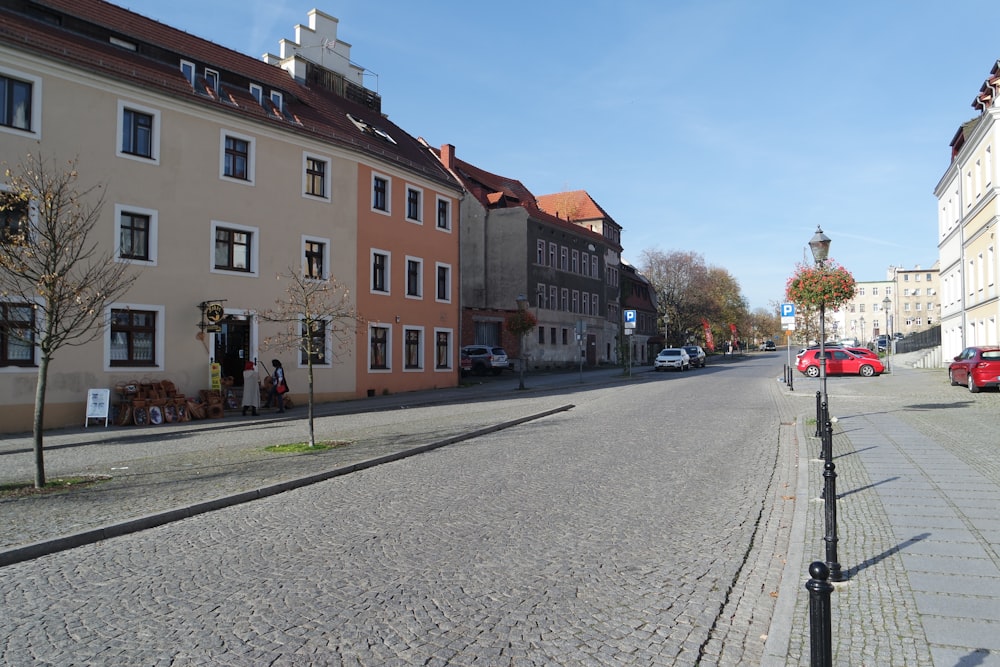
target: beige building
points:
(968, 211)
(913, 305)
(221, 172)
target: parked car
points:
(879, 343)
(862, 352)
(767, 346)
(696, 355)
(838, 362)
(672, 357)
(486, 359)
(976, 367)
(465, 362)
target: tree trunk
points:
(39, 421)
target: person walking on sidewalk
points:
(278, 386)
(251, 388)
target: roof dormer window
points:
(212, 79)
(187, 69)
(257, 93)
(368, 128)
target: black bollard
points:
(830, 504)
(791, 383)
(819, 415)
(820, 618)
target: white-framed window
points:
(236, 157)
(18, 324)
(414, 204)
(553, 297)
(316, 338)
(444, 349)
(540, 253)
(443, 214)
(315, 257)
(381, 266)
(315, 177)
(379, 347)
(138, 132)
(413, 349)
(278, 100)
(20, 103)
(257, 92)
(442, 293)
(136, 234)
(594, 267)
(414, 278)
(574, 260)
(134, 337)
(553, 248)
(564, 258)
(212, 80)
(235, 249)
(381, 193)
(188, 70)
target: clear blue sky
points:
(726, 128)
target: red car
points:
(839, 362)
(976, 367)
(862, 352)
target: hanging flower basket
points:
(521, 322)
(825, 284)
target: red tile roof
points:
(576, 206)
(82, 41)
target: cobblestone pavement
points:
(606, 534)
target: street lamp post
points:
(886, 305)
(820, 246)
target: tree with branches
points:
(55, 281)
(313, 313)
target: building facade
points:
(222, 172)
(968, 211)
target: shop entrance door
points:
(232, 348)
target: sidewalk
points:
(918, 534)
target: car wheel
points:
(812, 371)
(866, 371)
(972, 385)
(951, 378)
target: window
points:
(874, 291)
(553, 297)
(413, 358)
(443, 213)
(133, 337)
(552, 335)
(540, 253)
(585, 305)
(13, 218)
(378, 351)
(564, 258)
(316, 178)
(234, 249)
(540, 293)
(443, 349)
(575, 301)
(257, 92)
(414, 277)
(565, 336)
(443, 282)
(564, 299)
(237, 157)
(541, 335)
(278, 100)
(861, 291)
(15, 103)
(187, 69)
(552, 255)
(20, 102)
(593, 266)
(212, 80)
(594, 304)
(315, 343)
(135, 234)
(137, 133)
(414, 197)
(585, 264)
(380, 271)
(17, 340)
(315, 258)
(380, 193)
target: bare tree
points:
(314, 317)
(55, 281)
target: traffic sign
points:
(788, 310)
(630, 317)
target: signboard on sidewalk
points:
(788, 316)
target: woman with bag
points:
(278, 386)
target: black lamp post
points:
(886, 305)
(820, 246)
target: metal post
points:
(819, 415)
(830, 503)
(820, 616)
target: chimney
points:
(448, 156)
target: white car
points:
(672, 358)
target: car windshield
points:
(670, 353)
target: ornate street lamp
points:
(820, 246)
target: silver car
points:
(696, 354)
(672, 358)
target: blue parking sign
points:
(788, 310)
(629, 317)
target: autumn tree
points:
(315, 317)
(55, 280)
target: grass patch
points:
(303, 447)
(57, 485)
